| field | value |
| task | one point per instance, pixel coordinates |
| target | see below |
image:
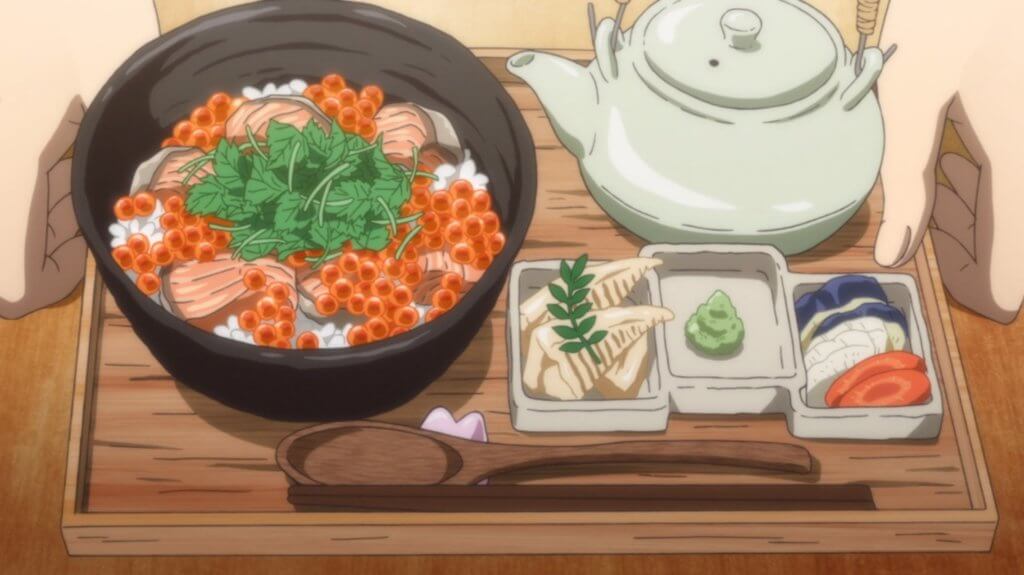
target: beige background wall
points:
(553, 24)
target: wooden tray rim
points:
(78, 526)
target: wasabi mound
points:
(715, 329)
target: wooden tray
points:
(156, 468)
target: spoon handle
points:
(497, 458)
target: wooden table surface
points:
(37, 357)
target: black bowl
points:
(273, 42)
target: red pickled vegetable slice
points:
(898, 388)
(870, 367)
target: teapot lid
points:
(743, 54)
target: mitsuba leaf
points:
(328, 236)
(382, 165)
(374, 239)
(358, 210)
(337, 146)
(226, 165)
(292, 243)
(256, 250)
(262, 190)
(393, 192)
(352, 189)
(240, 213)
(315, 139)
(288, 215)
(282, 139)
(239, 237)
(264, 185)
(206, 198)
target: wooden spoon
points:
(371, 453)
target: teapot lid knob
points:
(741, 28)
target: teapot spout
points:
(566, 90)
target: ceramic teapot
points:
(719, 121)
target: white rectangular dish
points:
(648, 412)
(765, 376)
(749, 381)
(913, 422)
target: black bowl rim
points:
(333, 358)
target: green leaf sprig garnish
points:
(573, 308)
(301, 190)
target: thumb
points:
(914, 122)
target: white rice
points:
(447, 174)
(232, 330)
(294, 88)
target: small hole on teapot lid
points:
(713, 62)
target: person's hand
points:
(59, 54)
(958, 60)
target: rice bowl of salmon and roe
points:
(286, 243)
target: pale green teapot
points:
(722, 121)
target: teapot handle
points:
(873, 62)
(605, 46)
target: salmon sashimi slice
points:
(162, 174)
(207, 293)
(310, 285)
(434, 155)
(405, 127)
(434, 265)
(256, 114)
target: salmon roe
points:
(124, 208)
(148, 283)
(124, 257)
(285, 329)
(286, 313)
(342, 290)
(267, 307)
(248, 320)
(327, 305)
(358, 335)
(265, 334)
(279, 292)
(307, 340)
(377, 328)
(138, 243)
(144, 203)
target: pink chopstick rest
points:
(471, 427)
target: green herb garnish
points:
(574, 309)
(301, 190)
